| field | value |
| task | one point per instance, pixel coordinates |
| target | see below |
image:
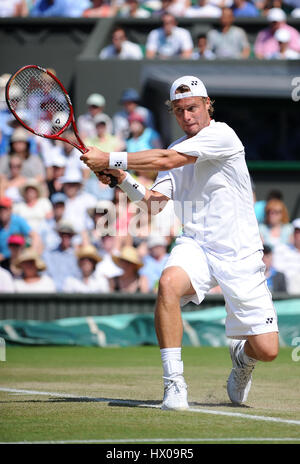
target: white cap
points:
(296, 223)
(96, 99)
(282, 35)
(197, 88)
(276, 15)
(156, 240)
(295, 13)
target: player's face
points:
(192, 114)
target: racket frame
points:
(71, 120)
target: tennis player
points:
(220, 244)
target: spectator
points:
(275, 279)
(107, 142)
(202, 52)
(13, 8)
(34, 208)
(62, 261)
(141, 137)
(20, 145)
(89, 282)
(276, 228)
(86, 122)
(11, 224)
(9, 186)
(16, 244)
(56, 171)
(243, 8)
(130, 280)
(228, 41)
(72, 156)
(266, 44)
(100, 9)
(154, 262)
(103, 139)
(169, 40)
(77, 202)
(283, 38)
(66, 8)
(48, 229)
(132, 9)
(203, 9)
(6, 282)
(32, 281)
(103, 215)
(130, 100)
(107, 266)
(121, 47)
(287, 260)
(260, 205)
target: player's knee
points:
(167, 285)
(269, 354)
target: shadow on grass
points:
(125, 402)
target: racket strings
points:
(39, 101)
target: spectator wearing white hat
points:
(286, 259)
(121, 48)
(266, 43)
(72, 156)
(86, 122)
(78, 201)
(283, 36)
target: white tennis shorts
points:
(248, 301)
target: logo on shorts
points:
(269, 320)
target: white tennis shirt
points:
(213, 197)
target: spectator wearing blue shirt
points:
(276, 280)
(66, 8)
(243, 8)
(155, 261)
(11, 224)
(62, 261)
(141, 137)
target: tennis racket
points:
(41, 104)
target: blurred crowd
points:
(61, 230)
(278, 40)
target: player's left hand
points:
(104, 175)
(95, 159)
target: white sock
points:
(170, 353)
(172, 364)
(244, 357)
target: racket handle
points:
(113, 179)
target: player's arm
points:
(154, 202)
(156, 159)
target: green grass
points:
(135, 374)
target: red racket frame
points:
(71, 120)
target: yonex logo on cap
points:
(197, 88)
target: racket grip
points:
(113, 179)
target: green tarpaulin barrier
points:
(201, 328)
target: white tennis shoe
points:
(240, 378)
(175, 394)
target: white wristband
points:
(118, 160)
(135, 191)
